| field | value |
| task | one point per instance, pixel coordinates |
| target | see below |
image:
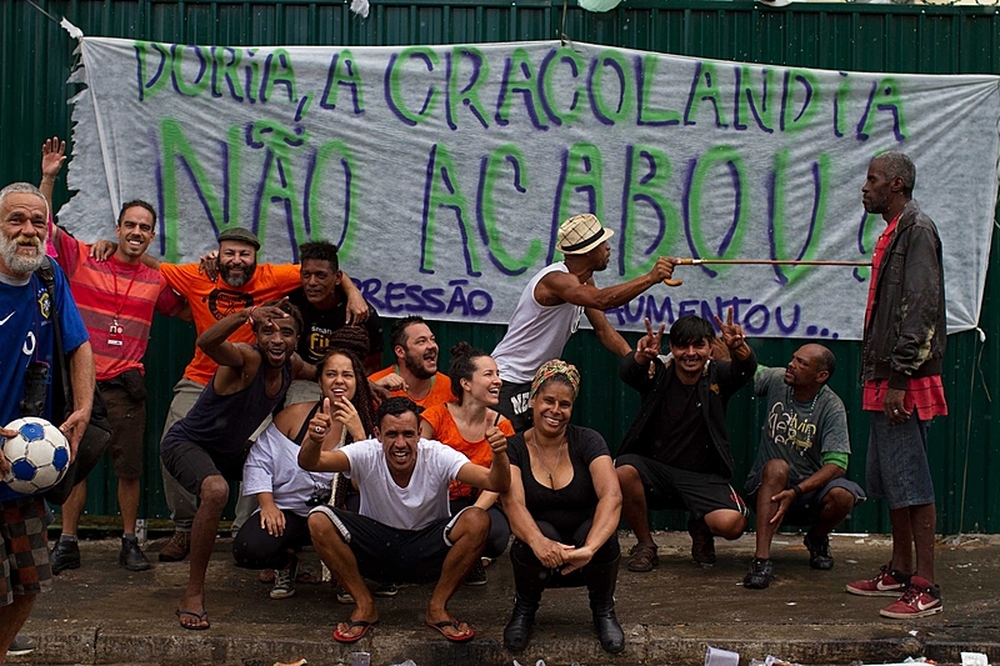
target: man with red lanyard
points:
(116, 299)
(904, 343)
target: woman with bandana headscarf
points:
(564, 505)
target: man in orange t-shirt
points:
(416, 364)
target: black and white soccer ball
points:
(38, 455)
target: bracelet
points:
(798, 491)
(250, 314)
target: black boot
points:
(601, 580)
(529, 582)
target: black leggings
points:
(606, 554)
(496, 541)
(254, 548)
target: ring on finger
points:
(319, 429)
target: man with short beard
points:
(27, 316)
(416, 364)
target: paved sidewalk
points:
(102, 614)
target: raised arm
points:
(53, 156)
(497, 477)
(558, 286)
(312, 457)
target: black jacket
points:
(906, 332)
(719, 381)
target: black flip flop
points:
(457, 638)
(351, 624)
(193, 627)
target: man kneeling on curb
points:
(403, 530)
(798, 476)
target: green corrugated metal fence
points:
(36, 56)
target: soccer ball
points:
(38, 455)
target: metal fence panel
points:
(36, 58)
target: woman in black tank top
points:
(564, 504)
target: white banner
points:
(443, 172)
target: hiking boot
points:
(819, 551)
(65, 555)
(477, 576)
(702, 543)
(386, 590)
(888, 583)
(643, 557)
(21, 645)
(131, 556)
(920, 599)
(760, 575)
(177, 548)
(284, 581)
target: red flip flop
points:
(461, 637)
(352, 624)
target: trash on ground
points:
(718, 657)
(300, 662)
(974, 659)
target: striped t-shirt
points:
(111, 291)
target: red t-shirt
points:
(112, 291)
(923, 394)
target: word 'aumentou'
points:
(556, 89)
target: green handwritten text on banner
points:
(443, 172)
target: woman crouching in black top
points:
(563, 504)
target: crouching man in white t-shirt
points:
(403, 530)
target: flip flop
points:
(201, 618)
(351, 624)
(461, 637)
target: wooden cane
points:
(675, 282)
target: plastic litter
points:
(975, 659)
(718, 657)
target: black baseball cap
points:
(240, 235)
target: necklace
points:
(541, 460)
(812, 405)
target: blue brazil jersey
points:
(27, 335)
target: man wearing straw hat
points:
(550, 307)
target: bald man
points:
(799, 474)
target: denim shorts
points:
(898, 470)
(806, 509)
